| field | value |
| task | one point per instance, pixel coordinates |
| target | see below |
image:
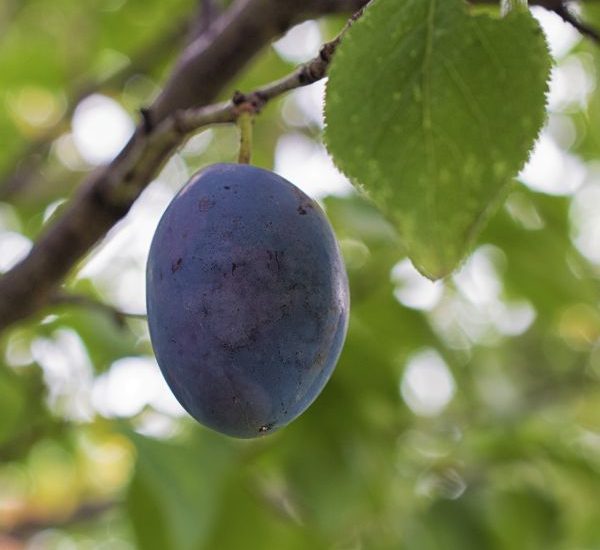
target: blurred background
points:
(463, 414)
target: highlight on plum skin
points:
(248, 299)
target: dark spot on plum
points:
(205, 204)
(176, 265)
(233, 268)
(303, 208)
(226, 187)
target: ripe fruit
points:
(247, 299)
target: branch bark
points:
(204, 69)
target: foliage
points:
(436, 140)
(502, 452)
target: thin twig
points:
(306, 74)
(86, 512)
(563, 11)
(81, 300)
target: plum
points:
(247, 299)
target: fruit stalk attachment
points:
(245, 121)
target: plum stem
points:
(245, 122)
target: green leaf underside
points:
(179, 487)
(432, 111)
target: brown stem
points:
(245, 123)
(567, 15)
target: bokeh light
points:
(101, 127)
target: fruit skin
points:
(247, 299)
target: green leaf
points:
(13, 404)
(526, 515)
(435, 119)
(452, 525)
(175, 495)
(572, 280)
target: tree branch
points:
(204, 69)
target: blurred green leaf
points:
(13, 404)
(526, 516)
(554, 279)
(176, 493)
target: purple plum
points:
(247, 298)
